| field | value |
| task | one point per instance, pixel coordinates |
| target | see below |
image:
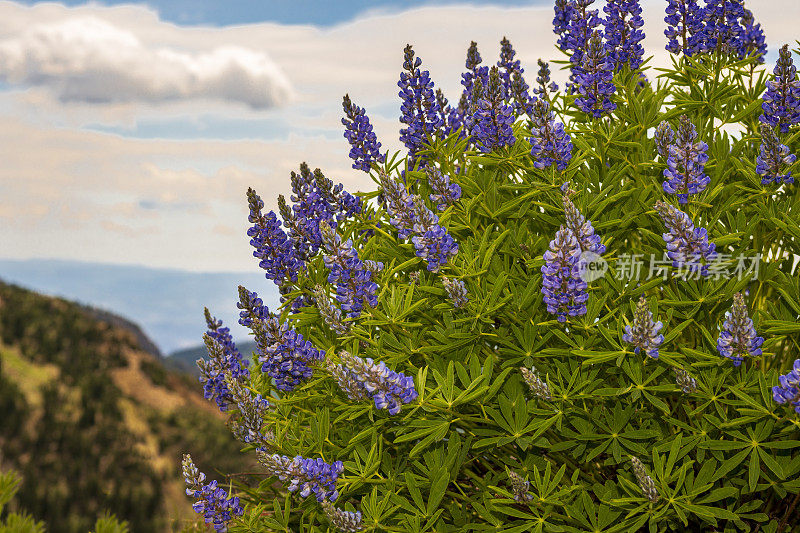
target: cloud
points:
(88, 59)
(159, 185)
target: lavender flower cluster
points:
(788, 388)
(409, 215)
(283, 352)
(306, 475)
(365, 148)
(419, 110)
(353, 280)
(687, 245)
(550, 144)
(493, 119)
(781, 101)
(644, 334)
(723, 26)
(224, 359)
(563, 287)
(363, 378)
(211, 501)
(686, 160)
(738, 338)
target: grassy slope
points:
(143, 411)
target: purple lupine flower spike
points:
(684, 27)
(582, 228)
(624, 35)
(788, 388)
(412, 218)
(419, 110)
(507, 66)
(781, 104)
(308, 475)
(272, 246)
(247, 427)
(314, 198)
(514, 86)
(344, 521)
(520, 487)
(365, 148)
(432, 242)
(354, 282)
(330, 314)
(562, 22)
(475, 72)
(550, 144)
(723, 31)
(445, 193)
(543, 82)
(575, 40)
(686, 244)
(493, 120)
(451, 119)
(456, 291)
(224, 359)
(773, 158)
(594, 83)
(686, 161)
(644, 334)
(664, 137)
(754, 43)
(284, 354)
(563, 289)
(363, 378)
(211, 501)
(684, 381)
(738, 338)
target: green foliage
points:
(14, 522)
(108, 523)
(722, 458)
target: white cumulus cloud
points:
(88, 59)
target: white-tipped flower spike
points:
(644, 334)
(738, 338)
(538, 387)
(686, 382)
(345, 521)
(519, 487)
(456, 291)
(645, 482)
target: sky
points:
(130, 132)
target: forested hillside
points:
(94, 422)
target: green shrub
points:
(524, 422)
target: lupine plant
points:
(577, 314)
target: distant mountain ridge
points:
(167, 304)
